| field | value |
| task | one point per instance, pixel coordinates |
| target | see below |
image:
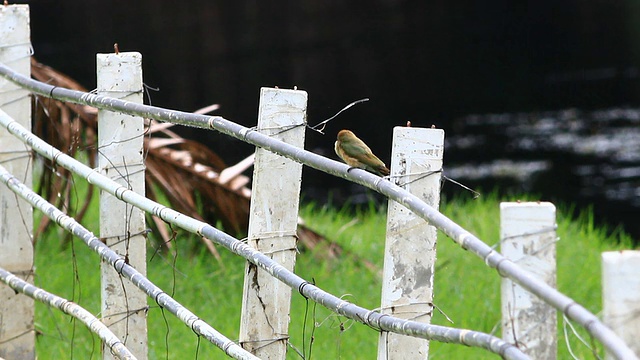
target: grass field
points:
(466, 289)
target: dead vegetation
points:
(182, 173)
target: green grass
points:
(466, 289)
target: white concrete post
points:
(120, 157)
(273, 222)
(621, 295)
(410, 249)
(528, 237)
(17, 336)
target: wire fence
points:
(372, 318)
(391, 189)
(116, 346)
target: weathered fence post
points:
(528, 237)
(17, 335)
(120, 157)
(410, 249)
(275, 197)
(621, 295)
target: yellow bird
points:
(356, 153)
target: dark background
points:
(428, 62)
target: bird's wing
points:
(373, 160)
(355, 147)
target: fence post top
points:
(615, 255)
(14, 7)
(408, 129)
(527, 204)
(266, 89)
(121, 56)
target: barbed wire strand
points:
(70, 308)
(419, 329)
(320, 125)
(565, 322)
(122, 268)
(461, 236)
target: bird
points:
(357, 154)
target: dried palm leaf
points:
(69, 127)
(190, 176)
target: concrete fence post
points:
(410, 248)
(122, 226)
(275, 196)
(621, 295)
(528, 237)
(17, 335)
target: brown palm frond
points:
(66, 126)
(172, 166)
(191, 177)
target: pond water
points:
(573, 156)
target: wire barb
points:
(319, 127)
(475, 193)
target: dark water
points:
(428, 62)
(580, 157)
(586, 158)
